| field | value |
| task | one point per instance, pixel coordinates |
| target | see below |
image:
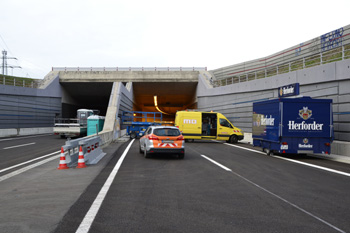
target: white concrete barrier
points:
(25, 131)
(247, 138)
(8, 132)
(31, 131)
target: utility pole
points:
(4, 62)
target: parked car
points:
(162, 139)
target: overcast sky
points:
(43, 34)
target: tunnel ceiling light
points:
(156, 105)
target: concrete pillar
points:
(111, 123)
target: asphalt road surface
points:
(216, 188)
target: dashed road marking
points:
(28, 144)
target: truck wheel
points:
(181, 156)
(233, 139)
(133, 135)
(268, 152)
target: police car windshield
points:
(166, 132)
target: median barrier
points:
(90, 148)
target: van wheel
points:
(233, 139)
(133, 135)
(181, 156)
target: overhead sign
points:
(289, 90)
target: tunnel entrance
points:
(88, 95)
(166, 97)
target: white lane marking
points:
(10, 147)
(315, 166)
(294, 161)
(216, 163)
(241, 147)
(277, 196)
(29, 161)
(5, 177)
(91, 214)
(9, 139)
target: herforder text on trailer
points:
(303, 126)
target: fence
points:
(102, 69)
(330, 47)
(18, 82)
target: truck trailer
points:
(293, 125)
(68, 127)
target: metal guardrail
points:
(65, 122)
(329, 47)
(18, 82)
(102, 69)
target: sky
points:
(42, 34)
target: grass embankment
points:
(17, 81)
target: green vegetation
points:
(17, 81)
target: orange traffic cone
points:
(81, 161)
(63, 164)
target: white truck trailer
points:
(68, 127)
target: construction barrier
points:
(82, 151)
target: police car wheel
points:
(145, 154)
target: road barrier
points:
(90, 152)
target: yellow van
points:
(207, 125)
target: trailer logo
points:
(261, 120)
(305, 113)
(190, 121)
(267, 120)
(305, 145)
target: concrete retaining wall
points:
(330, 81)
(25, 131)
(23, 107)
(304, 52)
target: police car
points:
(162, 139)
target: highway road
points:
(218, 187)
(18, 150)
